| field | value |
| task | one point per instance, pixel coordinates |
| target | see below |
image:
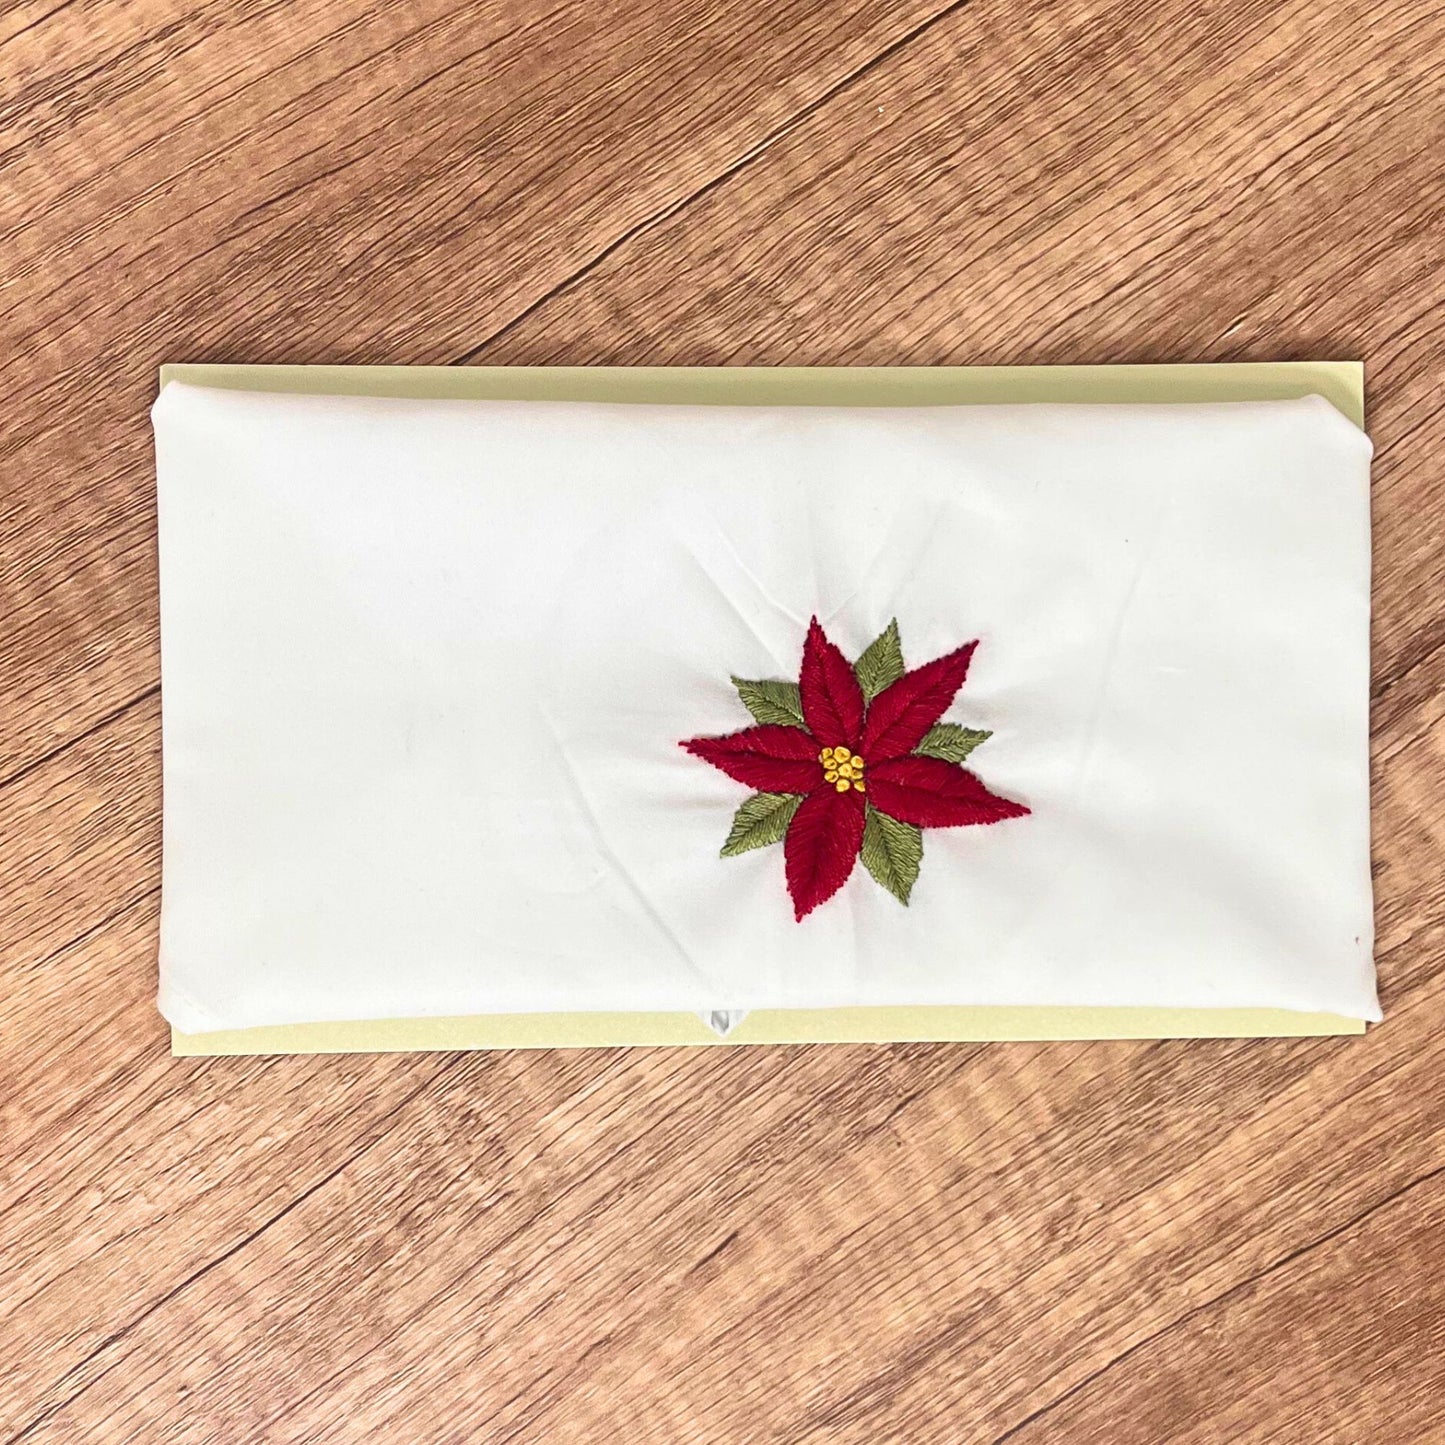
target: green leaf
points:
(881, 662)
(772, 702)
(950, 742)
(892, 853)
(762, 820)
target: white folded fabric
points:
(451, 726)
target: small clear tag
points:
(722, 1021)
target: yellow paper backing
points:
(1340, 382)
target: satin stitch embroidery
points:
(853, 762)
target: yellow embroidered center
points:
(842, 768)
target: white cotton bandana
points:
(428, 668)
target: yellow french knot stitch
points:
(842, 768)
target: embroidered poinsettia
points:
(853, 762)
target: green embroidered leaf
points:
(881, 662)
(770, 701)
(892, 852)
(762, 820)
(950, 742)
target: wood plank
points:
(1349, 1345)
(309, 182)
(1020, 188)
(684, 1236)
(143, 1177)
(82, 841)
(1202, 1241)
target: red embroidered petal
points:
(769, 758)
(900, 715)
(930, 793)
(832, 699)
(822, 846)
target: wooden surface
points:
(1220, 1241)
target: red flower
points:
(830, 765)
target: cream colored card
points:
(1340, 383)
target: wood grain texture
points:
(1125, 1242)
